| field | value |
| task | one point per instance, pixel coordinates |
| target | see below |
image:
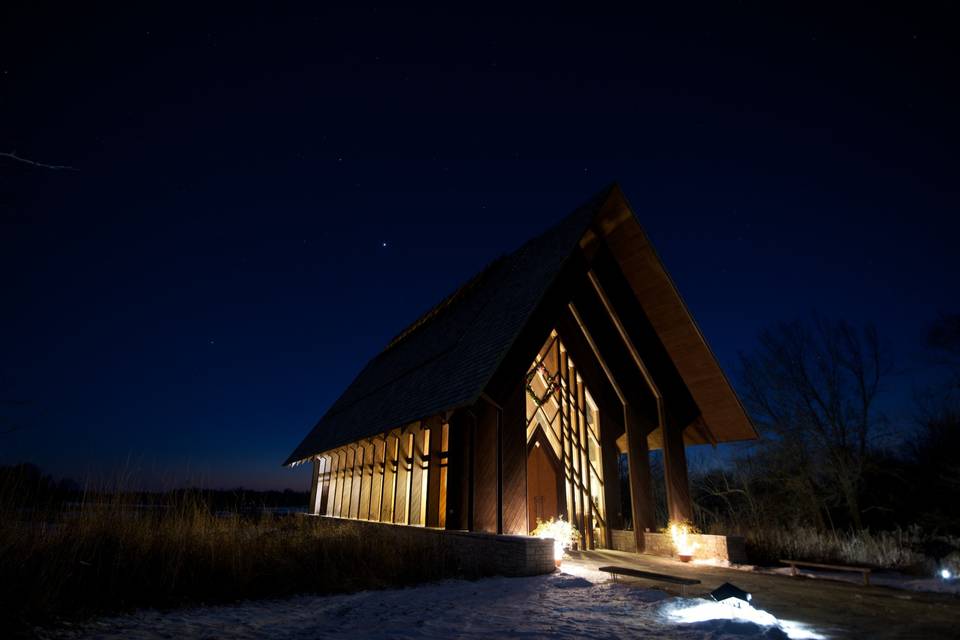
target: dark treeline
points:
(830, 462)
(26, 486)
(828, 456)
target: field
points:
(108, 555)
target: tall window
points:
(559, 404)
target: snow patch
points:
(574, 603)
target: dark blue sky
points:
(264, 198)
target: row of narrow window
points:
(398, 477)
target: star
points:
(384, 244)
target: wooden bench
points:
(819, 565)
(649, 575)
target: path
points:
(839, 609)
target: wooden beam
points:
(435, 426)
(325, 483)
(641, 485)
(679, 504)
(596, 353)
(315, 486)
(356, 484)
(332, 493)
(416, 478)
(389, 477)
(402, 504)
(615, 318)
(585, 499)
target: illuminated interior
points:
(386, 478)
(562, 415)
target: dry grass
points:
(107, 555)
(905, 549)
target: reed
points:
(109, 553)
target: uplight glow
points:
(705, 610)
(682, 537)
(563, 534)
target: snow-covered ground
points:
(575, 603)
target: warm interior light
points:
(682, 534)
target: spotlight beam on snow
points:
(705, 610)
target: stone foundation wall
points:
(504, 555)
(730, 548)
(623, 540)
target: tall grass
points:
(106, 554)
(912, 550)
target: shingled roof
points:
(445, 359)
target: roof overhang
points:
(723, 418)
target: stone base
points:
(491, 554)
(729, 548)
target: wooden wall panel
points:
(389, 478)
(355, 482)
(333, 506)
(403, 479)
(376, 488)
(485, 468)
(433, 515)
(416, 480)
(347, 490)
(458, 472)
(315, 487)
(514, 462)
(324, 485)
(366, 482)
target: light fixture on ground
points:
(731, 594)
(563, 534)
(682, 535)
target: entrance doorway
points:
(542, 481)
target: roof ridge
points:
(471, 283)
(444, 303)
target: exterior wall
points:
(729, 548)
(513, 454)
(492, 554)
(398, 477)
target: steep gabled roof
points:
(446, 358)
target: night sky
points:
(262, 199)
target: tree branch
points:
(56, 167)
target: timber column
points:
(679, 504)
(641, 487)
(315, 486)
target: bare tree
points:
(812, 389)
(42, 165)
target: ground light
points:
(945, 574)
(563, 534)
(735, 609)
(731, 594)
